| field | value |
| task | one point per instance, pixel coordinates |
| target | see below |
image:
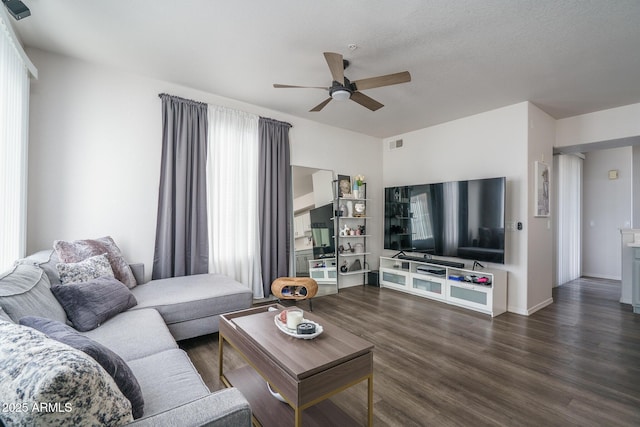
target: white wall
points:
(607, 207)
(541, 137)
(485, 145)
(635, 186)
(605, 125)
(95, 147)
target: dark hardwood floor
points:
(575, 362)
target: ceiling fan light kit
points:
(343, 89)
(341, 94)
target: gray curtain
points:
(182, 246)
(275, 204)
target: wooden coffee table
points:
(305, 372)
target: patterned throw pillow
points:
(110, 361)
(79, 250)
(86, 270)
(52, 384)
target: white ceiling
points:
(465, 56)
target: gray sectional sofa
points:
(144, 336)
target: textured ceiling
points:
(465, 56)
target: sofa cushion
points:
(47, 260)
(25, 291)
(179, 299)
(89, 304)
(134, 334)
(168, 379)
(85, 270)
(36, 370)
(4, 316)
(79, 250)
(111, 362)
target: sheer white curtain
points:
(14, 119)
(232, 196)
(569, 223)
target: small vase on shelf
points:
(358, 187)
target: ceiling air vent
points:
(395, 144)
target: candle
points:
(294, 318)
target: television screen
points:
(322, 231)
(463, 219)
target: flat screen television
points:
(462, 219)
(322, 231)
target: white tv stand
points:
(452, 285)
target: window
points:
(14, 119)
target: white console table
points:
(452, 285)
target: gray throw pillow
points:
(79, 250)
(25, 291)
(89, 304)
(85, 270)
(110, 361)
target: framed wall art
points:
(541, 190)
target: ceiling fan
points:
(342, 88)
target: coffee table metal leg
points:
(370, 398)
(298, 415)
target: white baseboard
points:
(601, 276)
(540, 306)
(530, 311)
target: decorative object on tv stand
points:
(358, 184)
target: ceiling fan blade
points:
(279, 86)
(336, 65)
(389, 79)
(366, 101)
(321, 105)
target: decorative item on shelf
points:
(344, 231)
(343, 210)
(361, 228)
(344, 268)
(340, 249)
(355, 266)
(359, 209)
(358, 248)
(344, 186)
(351, 249)
(358, 187)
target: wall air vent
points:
(397, 143)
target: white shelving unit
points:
(480, 290)
(358, 242)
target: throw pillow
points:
(79, 250)
(89, 304)
(55, 384)
(83, 271)
(110, 361)
(25, 291)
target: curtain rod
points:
(177, 98)
(161, 95)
